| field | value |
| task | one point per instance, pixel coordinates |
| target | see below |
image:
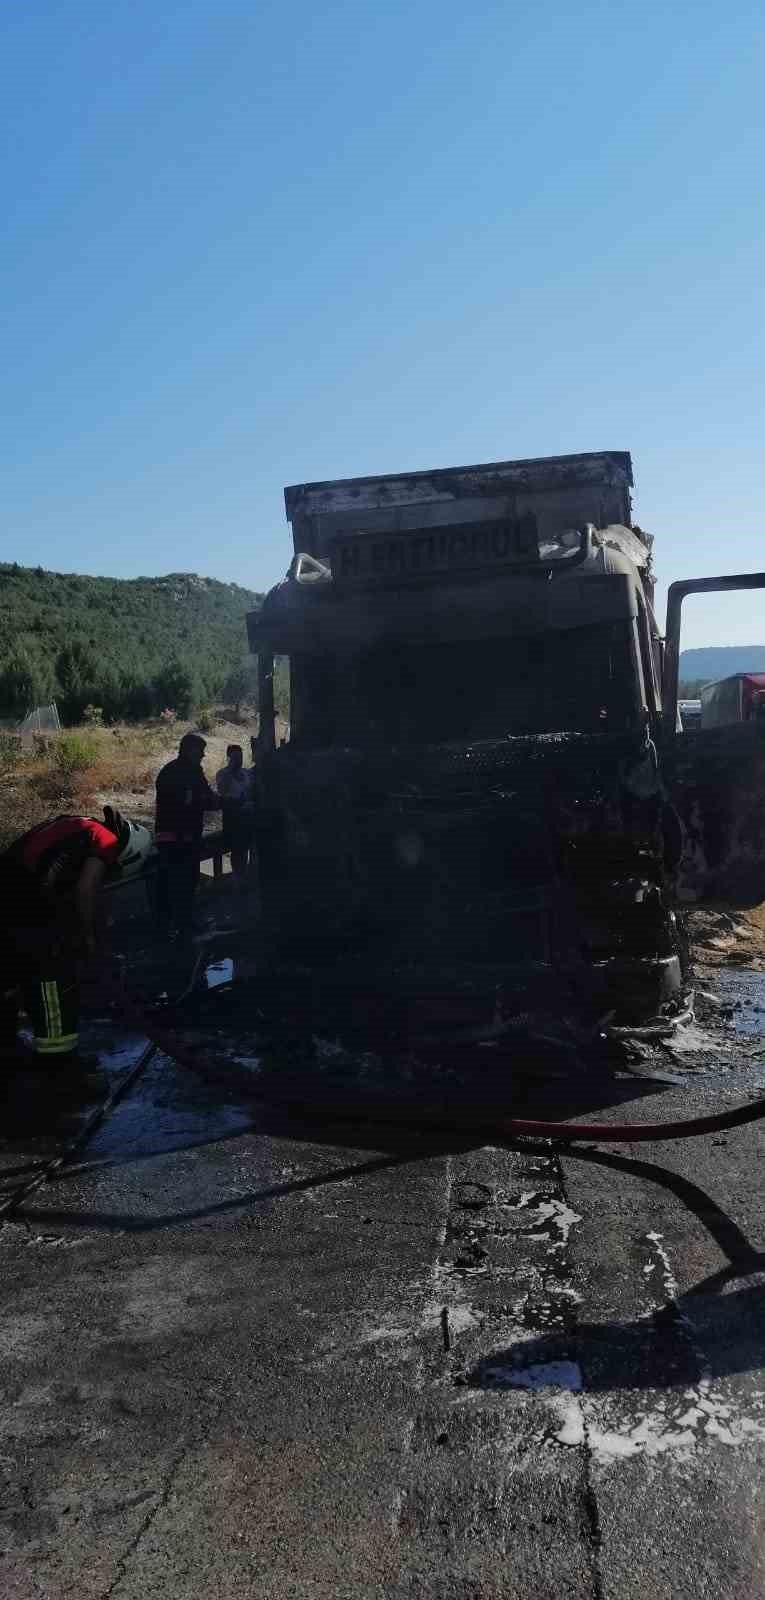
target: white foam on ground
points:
(668, 1276)
(653, 1432)
(378, 1335)
(657, 1434)
(690, 1039)
(560, 1216)
(461, 1318)
(447, 1294)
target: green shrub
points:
(206, 720)
(75, 753)
(11, 750)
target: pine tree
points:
(240, 686)
(25, 681)
(77, 671)
(175, 686)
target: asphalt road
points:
(238, 1362)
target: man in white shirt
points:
(234, 785)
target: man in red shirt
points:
(49, 881)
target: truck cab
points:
(471, 804)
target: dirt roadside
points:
(138, 802)
(723, 936)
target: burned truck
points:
(471, 818)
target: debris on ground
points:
(725, 936)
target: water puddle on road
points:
(744, 990)
(219, 972)
(167, 1108)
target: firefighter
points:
(49, 881)
(183, 797)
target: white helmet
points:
(135, 842)
(136, 851)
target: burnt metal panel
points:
(463, 546)
(537, 475)
(555, 497)
(516, 855)
(517, 604)
(716, 781)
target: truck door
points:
(715, 778)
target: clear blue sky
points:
(251, 244)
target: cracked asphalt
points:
(242, 1357)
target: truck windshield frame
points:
(579, 680)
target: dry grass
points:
(73, 774)
(90, 767)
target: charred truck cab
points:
(469, 817)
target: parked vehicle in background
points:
(690, 714)
(740, 698)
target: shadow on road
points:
(664, 1350)
(125, 1222)
(741, 1254)
(701, 1333)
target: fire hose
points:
(378, 1109)
(368, 1109)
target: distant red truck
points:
(740, 698)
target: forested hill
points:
(131, 646)
(136, 646)
(707, 664)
